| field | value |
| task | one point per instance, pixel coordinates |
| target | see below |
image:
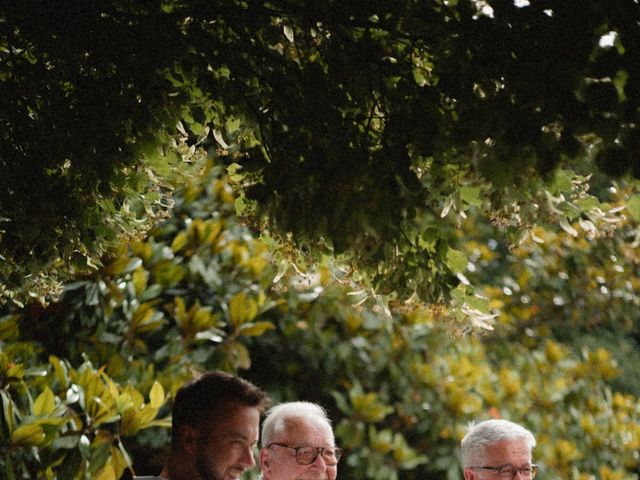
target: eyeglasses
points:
(308, 455)
(508, 471)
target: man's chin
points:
(233, 473)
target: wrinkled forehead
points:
(304, 430)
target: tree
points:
(354, 124)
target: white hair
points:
(285, 415)
(487, 433)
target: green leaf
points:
(241, 206)
(99, 457)
(633, 206)
(9, 327)
(471, 195)
(341, 402)
(562, 182)
(7, 408)
(587, 203)
(456, 260)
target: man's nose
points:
(248, 458)
(319, 463)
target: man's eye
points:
(506, 472)
(306, 452)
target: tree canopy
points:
(353, 126)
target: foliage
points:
(356, 124)
(365, 130)
(434, 103)
(579, 286)
(180, 301)
(89, 150)
(82, 380)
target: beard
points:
(204, 469)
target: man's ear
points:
(468, 474)
(189, 437)
(265, 459)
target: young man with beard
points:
(298, 443)
(215, 427)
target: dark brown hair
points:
(202, 400)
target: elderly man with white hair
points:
(498, 450)
(298, 443)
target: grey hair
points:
(285, 415)
(483, 434)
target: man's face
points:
(514, 452)
(279, 463)
(225, 450)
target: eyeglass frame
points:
(319, 451)
(498, 469)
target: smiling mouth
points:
(234, 472)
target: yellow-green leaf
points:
(9, 327)
(131, 422)
(31, 434)
(7, 409)
(15, 371)
(106, 473)
(140, 278)
(237, 355)
(137, 398)
(242, 309)
(456, 260)
(255, 329)
(179, 241)
(60, 371)
(471, 195)
(633, 206)
(156, 395)
(142, 315)
(118, 461)
(45, 403)
(116, 267)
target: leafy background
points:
(401, 210)
(87, 381)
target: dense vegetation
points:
(86, 382)
(403, 210)
(355, 125)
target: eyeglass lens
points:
(508, 472)
(307, 455)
